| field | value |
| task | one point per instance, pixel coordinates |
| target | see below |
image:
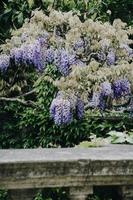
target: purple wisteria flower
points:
(50, 55)
(43, 39)
(29, 54)
(121, 88)
(80, 108)
(17, 55)
(4, 62)
(111, 58)
(66, 112)
(23, 55)
(79, 44)
(63, 61)
(94, 103)
(106, 89)
(72, 59)
(60, 111)
(38, 56)
(101, 56)
(102, 102)
(98, 101)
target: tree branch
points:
(27, 93)
(17, 100)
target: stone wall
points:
(22, 172)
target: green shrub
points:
(12, 15)
(3, 195)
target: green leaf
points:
(129, 139)
(20, 18)
(31, 3)
(119, 140)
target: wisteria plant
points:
(91, 65)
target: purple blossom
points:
(66, 112)
(125, 86)
(58, 115)
(50, 54)
(80, 108)
(121, 87)
(32, 53)
(63, 61)
(79, 44)
(99, 99)
(38, 56)
(101, 56)
(43, 39)
(60, 111)
(72, 59)
(4, 62)
(106, 89)
(94, 103)
(17, 55)
(24, 54)
(28, 53)
(111, 58)
(117, 89)
(102, 102)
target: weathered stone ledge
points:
(24, 170)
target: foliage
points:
(120, 9)
(120, 137)
(94, 142)
(56, 194)
(37, 63)
(3, 195)
(115, 137)
(13, 13)
(12, 16)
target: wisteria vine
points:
(94, 60)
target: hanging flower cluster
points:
(94, 60)
(31, 53)
(121, 87)
(4, 62)
(118, 89)
(62, 111)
